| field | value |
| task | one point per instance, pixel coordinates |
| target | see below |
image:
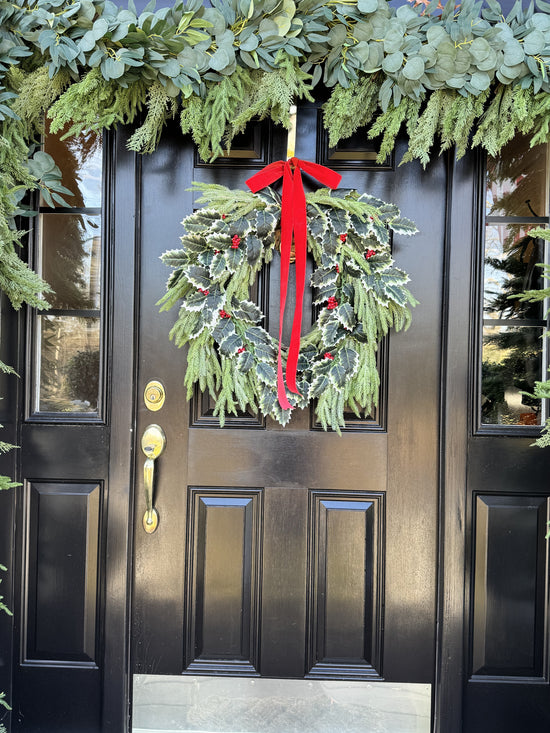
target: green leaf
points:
(244, 361)
(222, 330)
(265, 372)
(345, 315)
(338, 375)
(247, 311)
(198, 276)
(414, 68)
(253, 249)
(319, 384)
(231, 344)
(349, 359)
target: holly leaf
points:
(217, 266)
(265, 352)
(322, 277)
(222, 330)
(174, 258)
(332, 333)
(193, 243)
(349, 359)
(403, 226)
(201, 220)
(266, 222)
(265, 373)
(339, 221)
(253, 249)
(233, 258)
(198, 276)
(338, 375)
(317, 223)
(320, 383)
(344, 313)
(256, 335)
(244, 361)
(231, 344)
(248, 311)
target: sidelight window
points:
(513, 350)
(68, 336)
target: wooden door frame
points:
(457, 310)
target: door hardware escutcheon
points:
(154, 395)
(153, 443)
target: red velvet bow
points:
(293, 222)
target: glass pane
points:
(70, 250)
(511, 363)
(511, 256)
(80, 161)
(68, 355)
(517, 180)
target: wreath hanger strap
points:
(293, 223)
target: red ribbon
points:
(293, 222)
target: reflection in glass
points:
(68, 358)
(511, 256)
(511, 363)
(517, 180)
(71, 259)
(80, 161)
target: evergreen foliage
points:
(359, 292)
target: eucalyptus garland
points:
(358, 292)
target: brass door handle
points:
(153, 443)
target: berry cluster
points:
(369, 253)
(328, 355)
(332, 303)
(343, 237)
(204, 292)
(235, 242)
(224, 314)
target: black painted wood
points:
(395, 467)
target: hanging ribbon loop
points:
(293, 224)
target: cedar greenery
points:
(359, 293)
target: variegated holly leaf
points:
(381, 232)
(247, 310)
(253, 249)
(332, 333)
(223, 328)
(265, 352)
(266, 222)
(233, 258)
(338, 375)
(174, 258)
(362, 227)
(322, 277)
(344, 313)
(317, 223)
(265, 372)
(403, 226)
(387, 286)
(198, 276)
(193, 243)
(231, 344)
(323, 294)
(339, 221)
(244, 361)
(349, 359)
(200, 220)
(217, 265)
(257, 335)
(319, 384)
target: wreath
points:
(359, 295)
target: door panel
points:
(291, 552)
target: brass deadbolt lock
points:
(154, 396)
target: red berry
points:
(224, 314)
(369, 253)
(343, 237)
(337, 269)
(204, 292)
(217, 251)
(328, 355)
(235, 242)
(223, 216)
(240, 351)
(332, 303)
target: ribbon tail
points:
(286, 246)
(300, 248)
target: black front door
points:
(291, 552)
